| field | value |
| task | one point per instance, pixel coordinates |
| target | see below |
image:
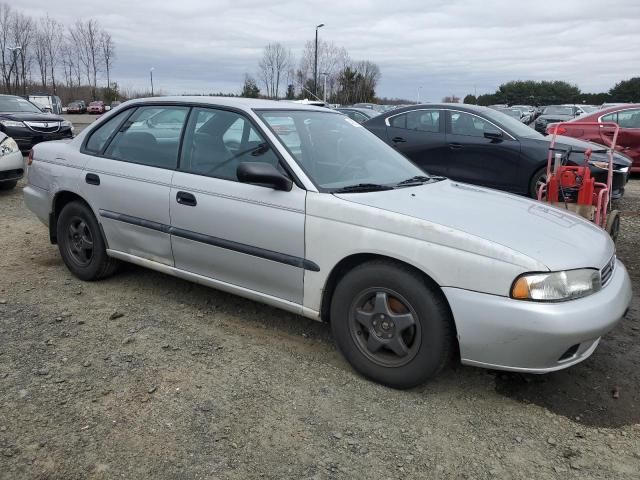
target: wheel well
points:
(59, 202)
(353, 261)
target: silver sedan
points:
(301, 208)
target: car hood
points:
(578, 144)
(31, 117)
(555, 238)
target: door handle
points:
(92, 179)
(398, 140)
(455, 146)
(187, 199)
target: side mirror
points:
(263, 174)
(46, 109)
(495, 135)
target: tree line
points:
(279, 75)
(531, 92)
(44, 55)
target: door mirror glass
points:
(264, 174)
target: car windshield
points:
(558, 110)
(514, 125)
(337, 152)
(17, 104)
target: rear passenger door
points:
(127, 179)
(419, 135)
(249, 236)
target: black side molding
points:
(215, 241)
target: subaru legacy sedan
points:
(302, 208)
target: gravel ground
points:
(148, 376)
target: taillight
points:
(560, 130)
(30, 158)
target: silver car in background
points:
(301, 208)
(11, 163)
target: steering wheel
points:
(348, 164)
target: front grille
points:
(43, 127)
(607, 271)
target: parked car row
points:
(28, 125)
(627, 116)
(432, 268)
(482, 146)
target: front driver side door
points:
(476, 159)
(243, 235)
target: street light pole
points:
(419, 88)
(151, 76)
(315, 68)
(324, 89)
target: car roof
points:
(232, 102)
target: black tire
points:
(429, 341)
(84, 251)
(540, 175)
(613, 224)
(8, 185)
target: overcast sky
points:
(446, 47)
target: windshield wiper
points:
(417, 180)
(363, 187)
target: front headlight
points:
(556, 286)
(7, 146)
(11, 123)
(65, 124)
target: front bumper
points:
(27, 138)
(11, 167)
(505, 334)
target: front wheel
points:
(8, 185)
(391, 325)
(538, 180)
(81, 244)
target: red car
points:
(96, 107)
(626, 116)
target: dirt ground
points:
(147, 376)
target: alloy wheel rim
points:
(385, 327)
(79, 241)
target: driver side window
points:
(217, 141)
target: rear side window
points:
(151, 136)
(424, 121)
(399, 121)
(629, 119)
(99, 137)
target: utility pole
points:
(324, 89)
(315, 68)
(151, 76)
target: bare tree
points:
(6, 55)
(22, 33)
(273, 67)
(86, 35)
(108, 52)
(42, 57)
(51, 31)
(332, 60)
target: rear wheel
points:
(391, 325)
(538, 180)
(613, 224)
(81, 244)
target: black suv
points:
(28, 125)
